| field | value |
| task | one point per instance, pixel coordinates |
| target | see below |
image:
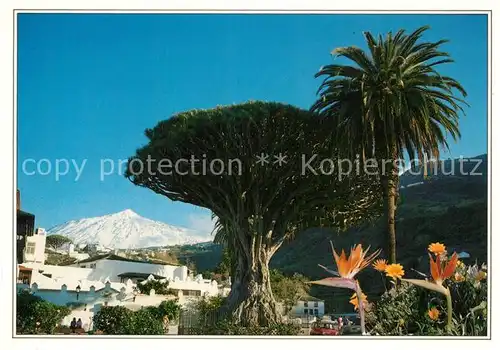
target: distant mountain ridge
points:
(127, 230)
(476, 167)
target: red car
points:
(324, 328)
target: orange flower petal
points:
(343, 265)
(450, 267)
(439, 267)
(434, 269)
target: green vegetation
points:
(57, 241)
(448, 209)
(391, 100)
(289, 290)
(405, 310)
(58, 259)
(264, 206)
(204, 317)
(144, 322)
(158, 286)
(113, 320)
(228, 327)
(118, 320)
(37, 316)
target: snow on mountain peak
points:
(126, 213)
(127, 229)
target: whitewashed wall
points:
(299, 308)
(206, 287)
(38, 256)
(110, 269)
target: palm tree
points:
(389, 100)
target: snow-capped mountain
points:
(127, 229)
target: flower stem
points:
(450, 309)
(361, 308)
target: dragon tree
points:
(267, 171)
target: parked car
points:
(324, 328)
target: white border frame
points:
(257, 7)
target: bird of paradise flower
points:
(441, 269)
(348, 268)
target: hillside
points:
(448, 209)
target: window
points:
(310, 311)
(316, 312)
(92, 266)
(30, 248)
(305, 312)
(315, 304)
(83, 266)
(305, 304)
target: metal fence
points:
(190, 322)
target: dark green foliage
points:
(288, 289)
(159, 287)
(144, 322)
(59, 259)
(225, 266)
(227, 327)
(57, 241)
(451, 210)
(403, 311)
(31, 309)
(167, 308)
(281, 200)
(207, 309)
(390, 100)
(210, 321)
(113, 320)
(258, 207)
(392, 95)
(150, 320)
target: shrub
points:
(169, 309)
(227, 327)
(404, 310)
(113, 320)
(35, 315)
(210, 320)
(143, 322)
(159, 287)
(147, 321)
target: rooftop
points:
(309, 298)
(139, 275)
(111, 256)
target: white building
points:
(34, 251)
(110, 280)
(309, 306)
(119, 269)
(84, 297)
(190, 287)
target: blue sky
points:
(89, 85)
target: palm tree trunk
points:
(390, 214)
(390, 183)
